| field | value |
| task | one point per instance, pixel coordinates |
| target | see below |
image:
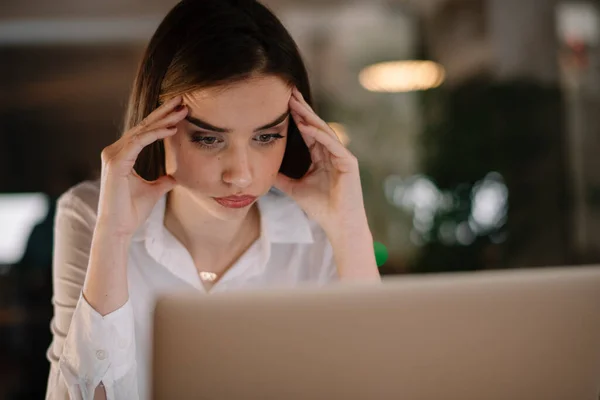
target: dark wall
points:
(59, 106)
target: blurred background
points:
(475, 123)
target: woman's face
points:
(231, 144)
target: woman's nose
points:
(238, 171)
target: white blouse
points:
(115, 349)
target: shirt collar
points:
(282, 220)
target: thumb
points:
(163, 184)
(285, 184)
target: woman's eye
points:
(267, 138)
(206, 141)
(209, 140)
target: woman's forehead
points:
(245, 105)
(265, 85)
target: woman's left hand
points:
(330, 192)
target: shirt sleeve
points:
(328, 273)
(324, 269)
(87, 349)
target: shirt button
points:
(101, 355)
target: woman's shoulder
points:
(81, 199)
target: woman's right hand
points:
(126, 199)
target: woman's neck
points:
(209, 240)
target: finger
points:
(310, 117)
(300, 97)
(317, 153)
(334, 146)
(163, 185)
(310, 141)
(171, 119)
(134, 144)
(153, 189)
(161, 112)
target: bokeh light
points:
(402, 76)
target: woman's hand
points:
(126, 199)
(331, 194)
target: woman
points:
(219, 115)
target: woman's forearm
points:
(105, 287)
(353, 251)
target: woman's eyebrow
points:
(209, 127)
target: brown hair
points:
(212, 43)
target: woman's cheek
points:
(180, 158)
(274, 163)
(200, 170)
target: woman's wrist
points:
(106, 228)
(105, 286)
(353, 250)
(106, 233)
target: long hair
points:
(212, 43)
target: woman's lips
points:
(235, 201)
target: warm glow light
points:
(340, 131)
(402, 76)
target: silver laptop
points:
(519, 334)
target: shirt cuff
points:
(98, 348)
